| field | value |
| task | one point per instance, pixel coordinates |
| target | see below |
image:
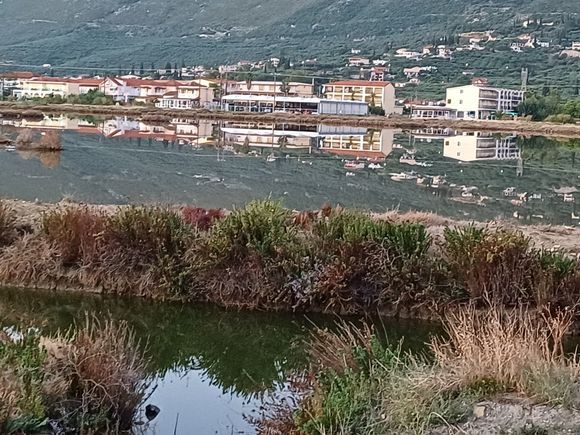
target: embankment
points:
(151, 114)
(266, 257)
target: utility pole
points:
(525, 77)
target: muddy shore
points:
(151, 114)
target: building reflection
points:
(372, 144)
(473, 146)
(281, 136)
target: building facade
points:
(373, 93)
(270, 88)
(432, 112)
(312, 105)
(482, 102)
(43, 87)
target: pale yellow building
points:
(374, 93)
(482, 102)
(42, 87)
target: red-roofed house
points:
(170, 94)
(12, 80)
(374, 93)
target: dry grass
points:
(96, 375)
(7, 224)
(518, 350)
(76, 232)
(358, 384)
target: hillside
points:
(98, 31)
(123, 32)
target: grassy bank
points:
(89, 381)
(152, 114)
(264, 256)
(358, 384)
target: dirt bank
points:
(151, 114)
(498, 418)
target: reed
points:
(358, 383)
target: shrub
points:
(498, 266)
(76, 232)
(406, 239)
(262, 227)
(150, 239)
(7, 225)
(96, 376)
(201, 218)
(560, 118)
(143, 235)
(460, 243)
(557, 262)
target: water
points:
(211, 367)
(471, 176)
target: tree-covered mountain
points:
(95, 32)
(117, 33)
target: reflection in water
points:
(49, 159)
(462, 175)
(211, 365)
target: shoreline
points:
(267, 258)
(152, 114)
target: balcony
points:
(488, 95)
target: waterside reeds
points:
(360, 384)
(91, 380)
(264, 256)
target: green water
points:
(210, 367)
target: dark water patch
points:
(211, 366)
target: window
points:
(449, 101)
(460, 101)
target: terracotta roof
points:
(359, 83)
(81, 81)
(18, 75)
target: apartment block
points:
(482, 102)
(374, 93)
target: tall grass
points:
(88, 381)
(514, 350)
(359, 384)
(76, 232)
(7, 224)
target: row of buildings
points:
(341, 97)
(350, 97)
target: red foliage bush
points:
(201, 218)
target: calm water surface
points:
(210, 367)
(472, 176)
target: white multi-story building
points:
(482, 102)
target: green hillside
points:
(123, 32)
